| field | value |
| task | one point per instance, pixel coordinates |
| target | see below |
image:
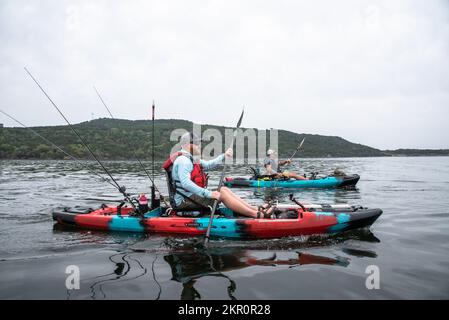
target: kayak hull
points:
(327, 182)
(307, 223)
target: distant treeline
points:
(417, 152)
(114, 140)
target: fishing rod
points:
(153, 193)
(121, 189)
(60, 149)
(134, 152)
(297, 149)
(214, 208)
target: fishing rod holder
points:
(119, 208)
(292, 198)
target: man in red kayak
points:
(190, 181)
(271, 165)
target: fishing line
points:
(133, 151)
(60, 149)
(121, 189)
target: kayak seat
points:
(171, 197)
(258, 176)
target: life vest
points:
(143, 200)
(198, 176)
(143, 204)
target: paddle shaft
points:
(297, 149)
(220, 184)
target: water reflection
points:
(127, 266)
(194, 262)
(360, 253)
(188, 267)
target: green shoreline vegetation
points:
(112, 139)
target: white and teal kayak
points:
(326, 182)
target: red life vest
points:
(198, 176)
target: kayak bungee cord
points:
(220, 184)
(134, 152)
(60, 149)
(121, 189)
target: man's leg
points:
(295, 176)
(231, 194)
(236, 205)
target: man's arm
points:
(185, 168)
(284, 162)
(269, 169)
(210, 164)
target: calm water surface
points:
(409, 243)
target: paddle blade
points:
(152, 108)
(300, 145)
(241, 118)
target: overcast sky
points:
(372, 72)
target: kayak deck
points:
(327, 182)
(324, 220)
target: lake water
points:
(409, 244)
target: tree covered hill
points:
(113, 139)
(418, 152)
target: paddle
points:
(297, 149)
(220, 184)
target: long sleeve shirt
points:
(182, 170)
(274, 166)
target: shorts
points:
(285, 174)
(197, 202)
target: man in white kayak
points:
(190, 181)
(271, 165)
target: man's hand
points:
(229, 153)
(283, 163)
(216, 195)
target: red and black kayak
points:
(292, 221)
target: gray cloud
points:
(372, 72)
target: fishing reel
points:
(127, 196)
(133, 201)
(255, 172)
